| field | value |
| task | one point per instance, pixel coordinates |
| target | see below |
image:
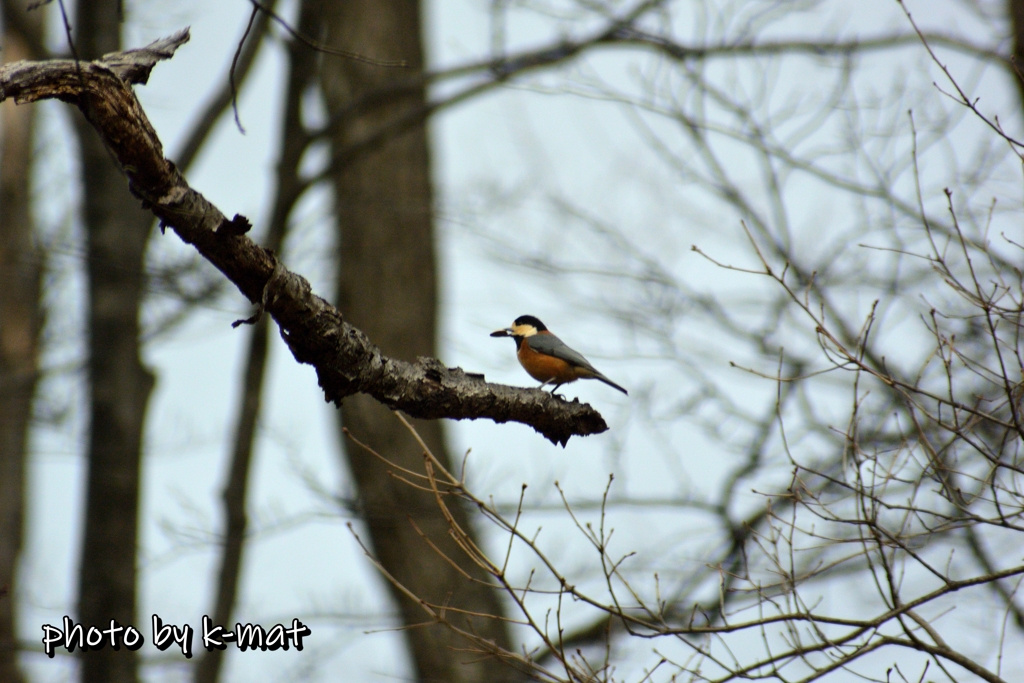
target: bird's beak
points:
(502, 333)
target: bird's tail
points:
(598, 375)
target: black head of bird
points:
(547, 358)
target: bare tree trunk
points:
(117, 232)
(1015, 10)
(387, 287)
(21, 318)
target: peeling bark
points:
(346, 361)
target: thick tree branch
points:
(346, 361)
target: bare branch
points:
(346, 361)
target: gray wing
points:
(551, 345)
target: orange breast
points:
(544, 368)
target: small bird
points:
(546, 357)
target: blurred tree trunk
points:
(1015, 10)
(117, 231)
(292, 144)
(387, 287)
(21, 319)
